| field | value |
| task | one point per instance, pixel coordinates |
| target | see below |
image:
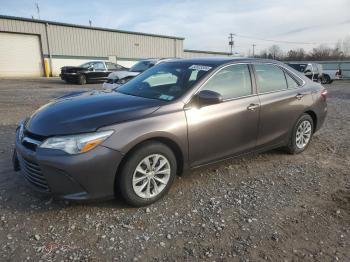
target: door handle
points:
(252, 107)
(299, 96)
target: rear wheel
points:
(301, 134)
(82, 80)
(147, 174)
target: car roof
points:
(215, 61)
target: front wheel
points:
(301, 134)
(147, 174)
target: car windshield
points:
(166, 81)
(298, 67)
(142, 66)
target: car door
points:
(221, 130)
(99, 71)
(282, 101)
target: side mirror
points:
(207, 97)
(91, 68)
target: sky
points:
(206, 24)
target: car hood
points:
(122, 74)
(88, 111)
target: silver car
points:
(116, 79)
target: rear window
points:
(270, 78)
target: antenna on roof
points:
(37, 9)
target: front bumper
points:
(86, 176)
(69, 76)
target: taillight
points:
(324, 93)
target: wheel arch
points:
(314, 118)
(179, 155)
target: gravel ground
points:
(271, 206)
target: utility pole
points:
(254, 49)
(37, 9)
(231, 42)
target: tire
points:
(137, 188)
(295, 145)
(326, 79)
(82, 80)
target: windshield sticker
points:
(166, 97)
(200, 67)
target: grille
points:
(31, 141)
(32, 173)
(69, 70)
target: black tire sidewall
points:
(124, 179)
(293, 149)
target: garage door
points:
(20, 55)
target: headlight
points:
(20, 131)
(76, 144)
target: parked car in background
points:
(90, 71)
(176, 116)
(313, 71)
(116, 79)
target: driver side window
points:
(231, 82)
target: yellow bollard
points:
(47, 67)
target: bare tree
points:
(322, 52)
(296, 55)
(340, 51)
(275, 51)
(346, 46)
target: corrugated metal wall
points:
(74, 41)
(78, 41)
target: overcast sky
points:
(205, 24)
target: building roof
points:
(85, 27)
(206, 52)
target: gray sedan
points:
(174, 117)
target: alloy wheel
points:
(303, 134)
(151, 176)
